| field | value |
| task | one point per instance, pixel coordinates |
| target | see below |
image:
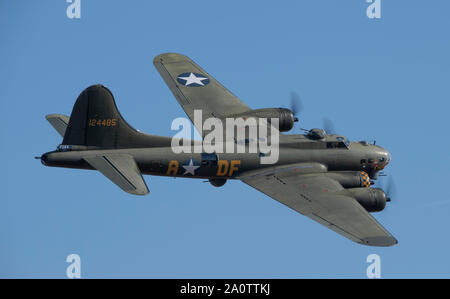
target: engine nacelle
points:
(217, 182)
(286, 118)
(372, 199)
(351, 179)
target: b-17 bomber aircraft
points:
(323, 176)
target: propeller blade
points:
(390, 188)
(328, 126)
(296, 103)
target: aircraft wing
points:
(59, 122)
(122, 170)
(313, 196)
(195, 89)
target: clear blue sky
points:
(382, 79)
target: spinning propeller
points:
(388, 187)
(297, 108)
(296, 104)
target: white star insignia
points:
(190, 168)
(193, 79)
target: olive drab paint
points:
(323, 176)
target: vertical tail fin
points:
(96, 122)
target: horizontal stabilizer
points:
(122, 170)
(59, 122)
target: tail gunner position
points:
(323, 176)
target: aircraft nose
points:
(384, 159)
(388, 157)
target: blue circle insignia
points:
(192, 79)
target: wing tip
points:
(170, 57)
(138, 192)
(381, 241)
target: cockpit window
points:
(347, 143)
(334, 144)
(341, 142)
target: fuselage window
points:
(209, 159)
(64, 148)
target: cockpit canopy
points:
(331, 140)
(334, 141)
(337, 142)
